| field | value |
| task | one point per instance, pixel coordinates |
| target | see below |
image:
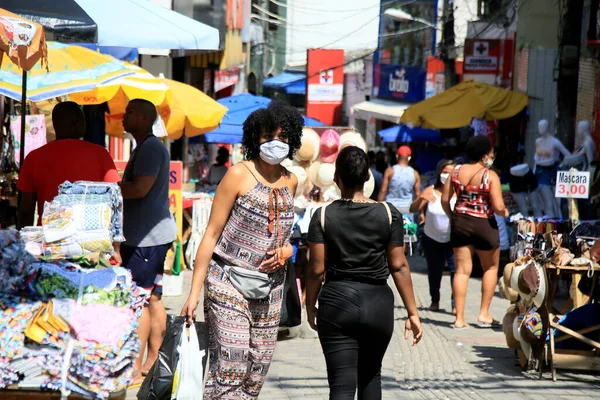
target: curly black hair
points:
(276, 115)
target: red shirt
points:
(63, 160)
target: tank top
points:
(437, 223)
(401, 188)
(473, 200)
(260, 220)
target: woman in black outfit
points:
(354, 248)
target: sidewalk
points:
(447, 364)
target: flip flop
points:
(134, 386)
(462, 328)
(486, 325)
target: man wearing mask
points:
(148, 224)
(68, 158)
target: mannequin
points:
(587, 146)
(548, 150)
(524, 189)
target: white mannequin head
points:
(584, 128)
(543, 127)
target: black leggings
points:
(356, 322)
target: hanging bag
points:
(188, 380)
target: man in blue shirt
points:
(148, 224)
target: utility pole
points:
(447, 51)
(568, 71)
(264, 4)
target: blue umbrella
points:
(289, 82)
(403, 134)
(239, 108)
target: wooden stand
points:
(570, 359)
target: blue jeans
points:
(437, 255)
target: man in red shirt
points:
(66, 159)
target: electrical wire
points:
(295, 7)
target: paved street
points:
(447, 364)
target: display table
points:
(570, 359)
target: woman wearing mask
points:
(473, 227)
(355, 243)
(436, 238)
(246, 246)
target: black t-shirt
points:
(357, 236)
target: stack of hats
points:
(314, 162)
(524, 283)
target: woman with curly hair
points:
(241, 258)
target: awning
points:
(380, 109)
(118, 23)
(289, 82)
(403, 134)
(457, 106)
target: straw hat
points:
(309, 149)
(300, 173)
(313, 171)
(326, 174)
(532, 284)
(532, 328)
(330, 146)
(514, 276)
(352, 138)
(507, 328)
(526, 347)
(509, 294)
(369, 187)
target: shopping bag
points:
(158, 384)
(188, 382)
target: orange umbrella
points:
(22, 40)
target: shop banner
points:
(325, 81)
(400, 83)
(224, 79)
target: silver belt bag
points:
(253, 285)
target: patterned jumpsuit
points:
(243, 333)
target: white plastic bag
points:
(188, 381)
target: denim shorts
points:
(546, 176)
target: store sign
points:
(224, 79)
(399, 82)
(482, 56)
(575, 185)
(325, 71)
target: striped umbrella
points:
(72, 69)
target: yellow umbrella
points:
(192, 112)
(140, 85)
(185, 109)
(457, 106)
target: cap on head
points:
(68, 120)
(404, 151)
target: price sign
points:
(574, 185)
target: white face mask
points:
(274, 151)
(488, 162)
(444, 177)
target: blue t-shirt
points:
(148, 222)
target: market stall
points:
(59, 286)
(546, 329)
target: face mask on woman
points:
(444, 177)
(488, 162)
(274, 151)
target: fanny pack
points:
(253, 285)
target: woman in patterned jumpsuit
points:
(249, 227)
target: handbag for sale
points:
(253, 285)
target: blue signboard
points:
(400, 83)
